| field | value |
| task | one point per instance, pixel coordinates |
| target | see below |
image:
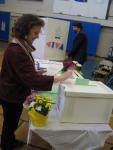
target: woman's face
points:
(33, 34)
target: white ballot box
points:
(91, 103)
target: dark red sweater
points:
(18, 76)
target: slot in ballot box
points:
(91, 103)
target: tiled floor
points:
(89, 66)
(37, 143)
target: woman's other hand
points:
(41, 71)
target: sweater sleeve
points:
(24, 71)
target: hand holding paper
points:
(64, 76)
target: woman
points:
(18, 76)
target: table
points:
(70, 136)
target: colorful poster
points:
(52, 41)
(84, 8)
(81, 0)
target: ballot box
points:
(87, 103)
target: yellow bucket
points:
(37, 118)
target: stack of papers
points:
(85, 82)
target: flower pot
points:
(37, 118)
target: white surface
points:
(72, 7)
(92, 103)
(93, 89)
(40, 43)
(52, 67)
(68, 136)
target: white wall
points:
(105, 41)
(72, 7)
(45, 8)
(21, 6)
(111, 11)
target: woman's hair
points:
(25, 23)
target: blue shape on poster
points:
(61, 47)
(52, 46)
(2, 1)
(81, 0)
(92, 30)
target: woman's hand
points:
(64, 76)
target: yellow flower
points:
(43, 103)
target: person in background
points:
(19, 76)
(80, 42)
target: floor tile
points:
(36, 140)
(1, 111)
(110, 140)
(24, 115)
(1, 121)
(106, 147)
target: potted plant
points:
(39, 109)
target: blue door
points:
(4, 25)
(2, 1)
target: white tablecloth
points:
(70, 136)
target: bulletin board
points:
(87, 8)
